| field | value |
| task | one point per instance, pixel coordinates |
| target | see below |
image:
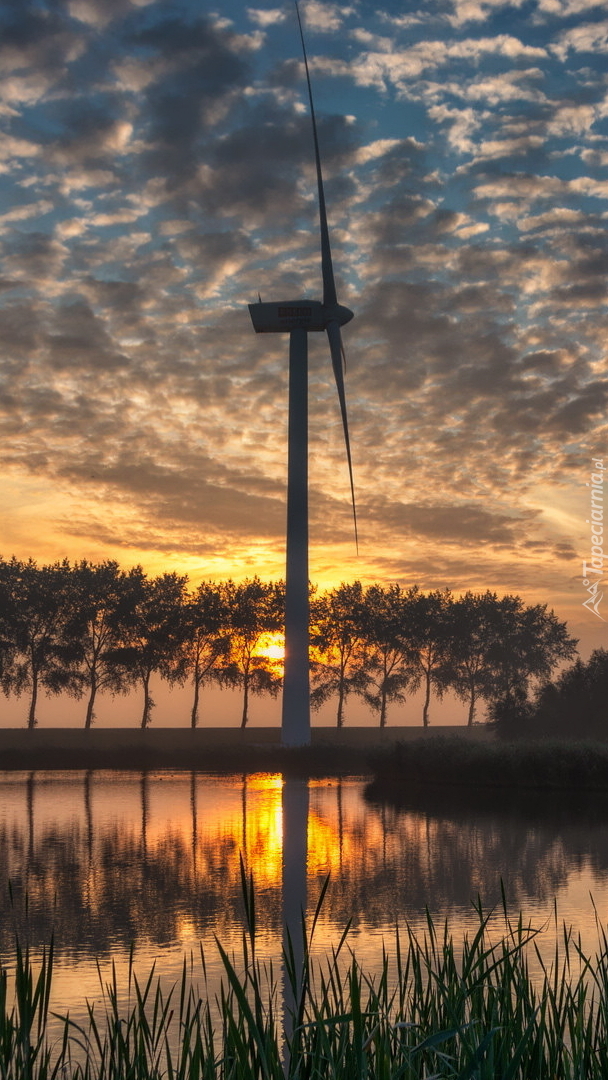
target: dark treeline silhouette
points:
(88, 628)
(575, 705)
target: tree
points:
(338, 639)
(206, 643)
(255, 608)
(498, 646)
(386, 652)
(8, 648)
(576, 704)
(37, 603)
(425, 635)
(527, 644)
(150, 620)
(474, 625)
(94, 630)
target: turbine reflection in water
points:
(295, 806)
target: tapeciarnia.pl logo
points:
(593, 571)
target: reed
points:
(535, 765)
(468, 1009)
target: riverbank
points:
(449, 762)
(332, 750)
(474, 768)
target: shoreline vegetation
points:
(333, 751)
(525, 765)
(402, 765)
(460, 1009)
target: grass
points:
(467, 1009)
(450, 762)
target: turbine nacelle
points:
(283, 316)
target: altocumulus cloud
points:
(156, 173)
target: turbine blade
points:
(337, 359)
(327, 269)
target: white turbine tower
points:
(299, 318)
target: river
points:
(110, 862)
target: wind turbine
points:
(298, 318)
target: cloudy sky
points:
(156, 172)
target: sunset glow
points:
(272, 646)
(157, 174)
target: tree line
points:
(573, 706)
(91, 628)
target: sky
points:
(157, 173)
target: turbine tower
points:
(298, 318)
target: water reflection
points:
(295, 817)
(107, 859)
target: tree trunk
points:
(340, 717)
(427, 699)
(31, 723)
(90, 705)
(383, 707)
(472, 703)
(194, 713)
(245, 715)
(145, 716)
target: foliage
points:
(444, 762)
(475, 623)
(151, 630)
(338, 640)
(528, 642)
(93, 628)
(442, 1008)
(254, 608)
(206, 642)
(387, 653)
(426, 638)
(574, 706)
(36, 604)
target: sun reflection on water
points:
(152, 859)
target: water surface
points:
(113, 861)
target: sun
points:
(272, 646)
